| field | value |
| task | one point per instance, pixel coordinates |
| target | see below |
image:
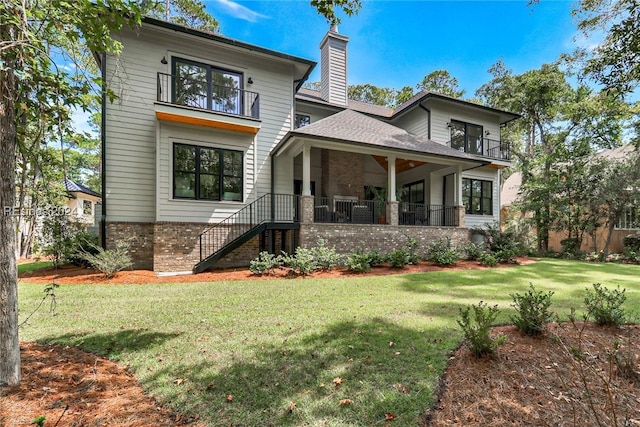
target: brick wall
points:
(342, 174)
(140, 235)
(385, 238)
(177, 248)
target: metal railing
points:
(342, 210)
(484, 147)
(207, 96)
(268, 208)
(429, 215)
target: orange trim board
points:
(199, 121)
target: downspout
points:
(428, 119)
(103, 141)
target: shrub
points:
(265, 263)
(442, 253)
(606, 305)
(81, 243)
(506, 244)
(532, 311)
(325, 258)
(110, 261)
(410, 248)
(360, 261)
(632, 257)
(471, 251)
(301, 262)
(398, 258)
(632, 242)
(571, 246)
(476, 322)
(488, 259)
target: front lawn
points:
(335, 352)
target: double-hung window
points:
(466, 137)
(477, 196)
(203, 86)
(203, 173)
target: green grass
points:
(270, 343)
(32, 266)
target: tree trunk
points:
(9, 341)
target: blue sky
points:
(396, 43)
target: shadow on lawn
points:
(385, 369)
(112, 345)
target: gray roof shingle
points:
(353, 127)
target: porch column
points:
(392, 203)
(306, 170)
(458, 201)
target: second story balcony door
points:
(466, 137)
(204, 86)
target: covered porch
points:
(344, 166)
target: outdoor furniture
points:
(321, 213)
(361, 215)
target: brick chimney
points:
(333, 67)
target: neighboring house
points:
(628, 224)
(213, 152)
(81, 203)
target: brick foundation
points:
(385, 238)
(141, 235)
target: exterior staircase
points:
(268, 212)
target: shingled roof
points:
(352, 127)
(74, 187)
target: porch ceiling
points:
(402, 165)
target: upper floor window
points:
(302, 120)
(477, 196)
(203, 173)
(204, 86)
(87, 207)
(466, 137)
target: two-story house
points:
(213, 151)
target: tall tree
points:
(30, 85)
(189, 13)
(442, 82)
(614, 62)
(327, 8)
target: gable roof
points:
(313, 96)
(352, 127)
(74, 187)
(303, 66)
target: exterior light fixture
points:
(164, 60)
(449, 125)
(487, 133)
(250, 81)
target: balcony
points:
(484, 147)
(205, 96)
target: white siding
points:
(415, 121)
(333, 73)
(442, 113)
(131, 124)
(487, 174)
(170, 209)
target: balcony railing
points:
(484, 147)
(343, 210)
(430, 215)
(209, 97)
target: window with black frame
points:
(412, 193)
(204, 86)
(203, 173)
(302, 120)
(477, 196)
(466, 137)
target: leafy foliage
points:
(632, 242)
(471, 251)
(360, 261)
(64, 240)
(605, 306)
(440, 81)
(327, 8)
(442, 253)
(532, 310)
(325, 257)
(476, 322)
(265, 263)
(301, 262)
(110, 261)
(488, 259)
